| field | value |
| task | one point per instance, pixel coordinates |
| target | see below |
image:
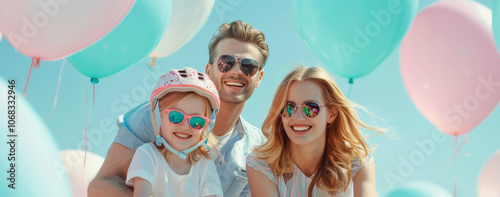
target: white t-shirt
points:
(221, 140)
(150, 165)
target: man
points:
(238, 53)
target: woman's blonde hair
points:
(171, 99)
(344, 140)
(243, 32)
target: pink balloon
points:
(54, 29)
(73, 161)
(489, 178)
(450, 65)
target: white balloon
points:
(188, 17)
(489, 177)
(73, 160)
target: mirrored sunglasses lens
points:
(249, 67)
(311, 110)
(225, 63)
(175, 117)
(197, 122)
(288, 110)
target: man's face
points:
(234, 86)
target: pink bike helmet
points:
(185, 80)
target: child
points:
(178, 164)
(314, 143)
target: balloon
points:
(419, 189)
(32, 151)
(54, 29)
(496, 22)
(131, 41)
(188, 17)
(353, 37)
(73, 160)
(487, 183)
(450, 65)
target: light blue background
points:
(382, 92)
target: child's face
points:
(182, 136)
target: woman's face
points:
(182, 136)
(300, 129)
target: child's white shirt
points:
(150, 165)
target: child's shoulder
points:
(148, 149)
(204, 161)
(204, 164)
(147, 146)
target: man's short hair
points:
(243, 32)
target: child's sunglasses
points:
(248, 66)
(177, 117)
(309, 109)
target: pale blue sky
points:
(382, 92)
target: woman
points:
(315, 146)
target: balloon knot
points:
(35, 62)
(94, 80)
(351, 81)
(152, 63)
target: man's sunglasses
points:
(248, 66)
(309, 109)
(177, 117)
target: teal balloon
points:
(419, 189)
(353, 36)
(130, 42)
(495, 11)
(30, 160)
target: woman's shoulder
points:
(260, 165)
(254, 161)
(358, 163)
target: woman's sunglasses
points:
(309, 109)
(248, 66)
(177, 117)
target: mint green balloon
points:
(353, 36)
(130, 42)
(495, 9)
(418, 189)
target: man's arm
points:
(364, 181)
(110, 181)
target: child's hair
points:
(170, 100)
(243, 32)
(344, 140)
